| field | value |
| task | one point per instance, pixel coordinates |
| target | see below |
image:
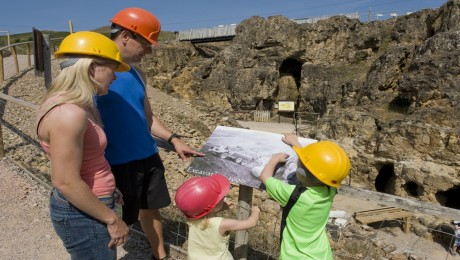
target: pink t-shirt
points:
(95, 169)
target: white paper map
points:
(240, 154)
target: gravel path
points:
(26, 229)
(9, 64)
(279, 128)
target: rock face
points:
(387, 91)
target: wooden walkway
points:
(382, 214)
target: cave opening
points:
(401, 104)
(291, 67)
(449, 198)
(265, 104)
(289, 83)
(385, 181)
(413, 189)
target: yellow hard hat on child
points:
(326, 160)
(91, 44)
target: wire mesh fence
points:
(262, 242)
(378, 240)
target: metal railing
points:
(324, 17)
(222, 32)
(219, 32)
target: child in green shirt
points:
(320, 170)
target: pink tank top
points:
(95, 169)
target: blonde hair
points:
(75, 85)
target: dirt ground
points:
(26, 231)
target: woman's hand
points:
(119, 232)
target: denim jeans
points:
(83, 236)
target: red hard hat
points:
(199, 195)
(139, 21)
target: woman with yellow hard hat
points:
(69, 129)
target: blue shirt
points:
(123, 117)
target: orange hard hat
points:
(199, 195)
(139, 21)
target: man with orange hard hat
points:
(129, 125)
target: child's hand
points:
(291, 139)
(255, 211)
(228, 203)
(270, 167)
(280, 157)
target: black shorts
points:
(143, 186)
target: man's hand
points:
(183, 150)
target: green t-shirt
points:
(304, 236)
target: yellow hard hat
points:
(92, 44)
(326, 160)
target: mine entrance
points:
(291, 67)
(449, 198)
(265, 104)
(385, 181)
(289, 83)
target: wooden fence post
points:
(15, 58)
(29, 54)
(47, 60)
(2, 68)
(2, 78)
(244, 208)
(2, 149)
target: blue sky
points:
(18, 16)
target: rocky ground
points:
(27, 233)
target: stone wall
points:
(387, 91)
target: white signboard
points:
(241, 154)
(287, 106)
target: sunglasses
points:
(140, 40)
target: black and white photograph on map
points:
(241, 154)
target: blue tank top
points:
(123, 117)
